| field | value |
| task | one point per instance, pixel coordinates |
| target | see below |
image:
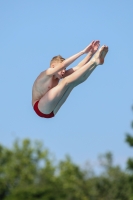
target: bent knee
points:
(65, 81)
(69, 82)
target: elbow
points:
(49, 72)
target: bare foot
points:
(100, 55)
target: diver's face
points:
(61, 73)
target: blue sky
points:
(97, 114)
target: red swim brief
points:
(40, 114)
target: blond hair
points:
(57, 59)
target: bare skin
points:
(51, 93)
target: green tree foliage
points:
(20, 166)
(28, 171)
(129, 140)
(113, 182)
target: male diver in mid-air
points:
(49, 93)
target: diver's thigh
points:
(50, 100)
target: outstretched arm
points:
(94, 45)
(67, 62)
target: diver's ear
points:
(52, 65)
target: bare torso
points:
(42, 85)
